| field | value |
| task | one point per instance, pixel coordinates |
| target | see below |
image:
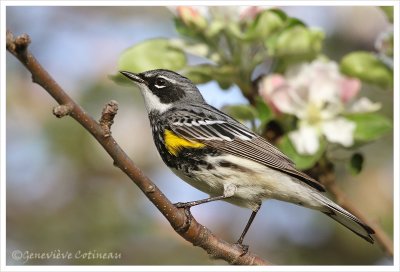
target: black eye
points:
(160, 83)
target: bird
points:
(220, 156)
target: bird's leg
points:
(229, 191)
(245, 248)
(198, 202)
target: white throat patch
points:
(152, 101)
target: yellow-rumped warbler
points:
(221, 157)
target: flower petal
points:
(305, 140)
(283, 100)
(269, 83)
(192, 16)
(277, 93)
(325, 84)
(249, 12)
(324, 90)
(364, 105)
(350, 87)
(339, 130)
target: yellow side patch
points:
(175, 144)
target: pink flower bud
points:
(191, 16)
(349, 89)
(268, 88)
(249, 13)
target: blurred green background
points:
(63, 192)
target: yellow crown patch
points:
(175, 144)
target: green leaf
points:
(199, 74)
(356, 163)
(149, 55)
(294, 22)
(215, 28)
(224, 84)
(183, 29)
(280, 13)
(152, 54)
(295, 40)
(388, 10)
(264, 112)
(367, 67)
(224, 75)
(264, 25)
(243, 112)
(302, 162)
(370, 126)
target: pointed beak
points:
(134, 77)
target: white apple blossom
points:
(305, 132)
(227, 13)
(318, 95)
(364, 105)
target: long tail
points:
(348, 220)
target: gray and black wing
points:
(213, 128)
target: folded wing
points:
(216, 129)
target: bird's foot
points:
(188, 216)
(243, 248)
(186, 205)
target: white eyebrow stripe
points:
(149, 75)
(168, 79)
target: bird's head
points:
(162, 89)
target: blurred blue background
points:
(63, 192)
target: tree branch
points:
(181, 221)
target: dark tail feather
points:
(350, 221)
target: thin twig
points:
(181, 222)
(107, 117)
